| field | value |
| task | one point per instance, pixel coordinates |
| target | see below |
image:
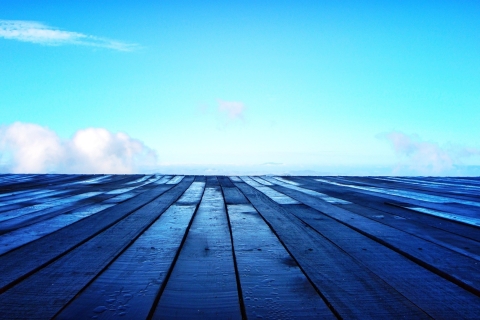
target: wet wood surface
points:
(228, 247)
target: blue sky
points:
(326, 87)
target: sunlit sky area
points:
(254, 87)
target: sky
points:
(240, 87)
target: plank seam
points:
(82, 204)
(34, 270)
(423, 264)
(365, 205)
(237, 274)
(439, 217)
(323, 297)
(359, 262)
(175, 258)
(389, 225)
(120, 252)
(418, 261)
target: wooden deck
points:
(153, 246)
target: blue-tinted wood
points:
(129, 286)
(356, 246)
(273, 285)
(376, 203)
(14, 266)
(461, 269)
(203, 284)
(438, 297)
(352, 290)
(49, 289)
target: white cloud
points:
(426, 157)
(36, 32)
(33, 148)
(233, 109)
(30, 148)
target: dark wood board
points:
(352, 290)
(129, 286)
(56, 284)
(203, 283)
(435, 295)
(14, 266)
(273, 285)
(378, 203)
(385, 214)
(460, 269)
(153, 246)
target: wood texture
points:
(176, 247)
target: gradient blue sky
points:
(337, 87)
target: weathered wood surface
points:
(154, 246)
(205, 266)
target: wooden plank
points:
(352, 290)
(70, 182)
(378, 273)
(203, 284)
(462, 270)
(13, 178)
(41, 181)
(164, 179)
(471, 181)
(377, 203)
(451, 192)
(47, 209)
(457, 190)
(16, 197)
(454, 242)
(137, 179)
(405, 195)
(9, 196)
(49, 289)
(34, 196)
(193, 194)
(471, 221)
(233, 196)
(175, 180)
(212, 181)
(14, 266)
(19, 237)
(438, 297)
(67, 216)
(129, 286)
(278, 197)
(273, 285)
(230, 193)
(225, 182)
(312, 193)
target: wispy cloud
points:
(233, 109)
(30, 148)
(426, 157)
(37, 32)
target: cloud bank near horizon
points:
(31, 148)
(425, 157)
(39, 33)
